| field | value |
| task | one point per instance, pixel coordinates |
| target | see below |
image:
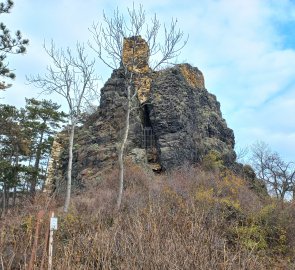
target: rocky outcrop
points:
(55, 172)
(186, 119)
(174, 119)
(135, 59)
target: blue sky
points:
(245, 49)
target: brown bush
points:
(186, 219)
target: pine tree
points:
(13, 146)
(42, 121)
(26, 137)
(9, 44)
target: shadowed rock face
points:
(185, 120)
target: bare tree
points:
(109, 41)
(242, 154)
(278, 175)
(72, 77)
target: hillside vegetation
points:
(190, 218)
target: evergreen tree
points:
(43, 121)
(9, 44)
(26, 137)
(13, 146)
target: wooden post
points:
(34, 249)
(50, 245)
(44, 255)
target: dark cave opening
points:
(149, 140)
(146, 116)
(148, 137)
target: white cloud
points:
(238, 45)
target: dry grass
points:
(188, 219)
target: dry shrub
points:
(159, 236)
(186, 219)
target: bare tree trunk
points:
(14, 197)
(122, 148)
(16, 178)
(4, 200)
(70, 165)
(36, 166)
(46, 174)
(2, 196)
(7, 198)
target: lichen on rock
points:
(135, 60)
(136, 54)
(194, 77)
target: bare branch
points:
(277, 174)
(108, 38)
(72, 76)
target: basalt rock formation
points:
(186, 119)
(174, 120)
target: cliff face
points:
(186, 119)
(174, 120)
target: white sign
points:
(53, 224)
